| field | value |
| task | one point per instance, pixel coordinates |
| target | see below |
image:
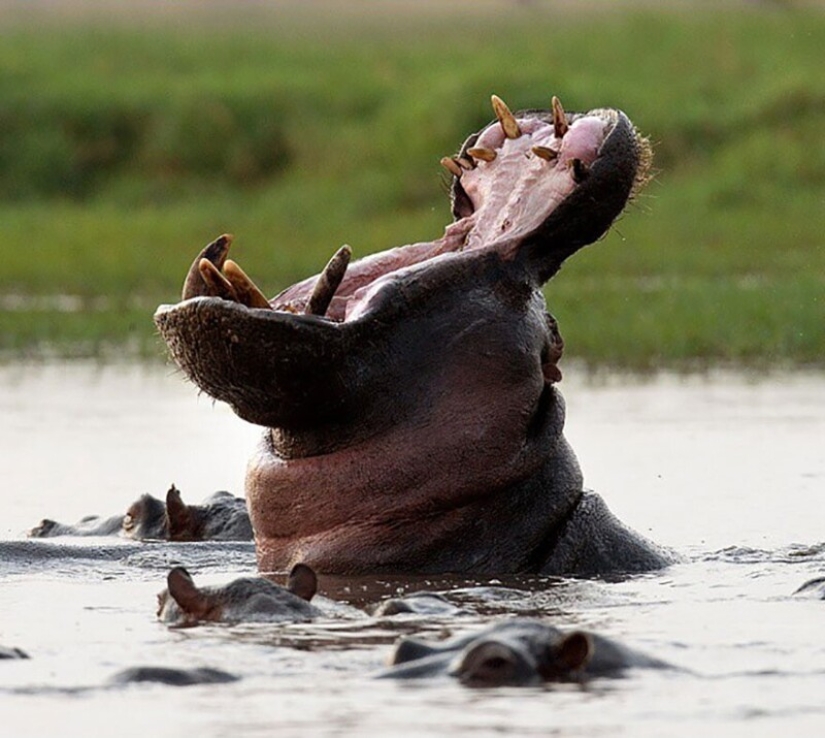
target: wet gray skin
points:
(416, 603)
(248, 599)
(517, 652)
(413, 423)
(12, 652)
(813, 588)
(171, 676)
(220, 517)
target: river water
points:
(727, 469)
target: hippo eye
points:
(489, 664)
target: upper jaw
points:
(550, 178)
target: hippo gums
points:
(413, 423)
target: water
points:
(729, 470)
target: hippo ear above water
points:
(183, 590)
(568, 656)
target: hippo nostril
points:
(579, 169)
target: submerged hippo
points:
(517, 653)
(221, 517)
(171, 676)
(413, 423)
(248, 599)
(12, 652)
(813, 588)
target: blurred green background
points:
(133, 133)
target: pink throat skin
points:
(511, 195)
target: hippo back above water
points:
(413, 420)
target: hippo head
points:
(412, 422)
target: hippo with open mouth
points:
(413, 423)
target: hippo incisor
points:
(413, 423)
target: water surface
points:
(728, 470)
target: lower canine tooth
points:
(194, 284)
(246, 290)
(216, 284)
(328, 282)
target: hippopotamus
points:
(12, 652)
(171, 676)
(247, 599)
(431, 604)
(813, 588)
(517, 652)
(413, 423)
(221, 517)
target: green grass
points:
(124, 150)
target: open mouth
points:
(527, 191)
(508, 180)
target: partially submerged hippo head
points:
(517, 652)
(413, 423)
(183, 603)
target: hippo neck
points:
(428, 528)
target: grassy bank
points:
(124, 149)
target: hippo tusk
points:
(451, 165)
(328, 282)
(248, 292)
(482, 154)
(508, 121)
(559, 118)
(194, 284)
(546, 153)
(216, 284)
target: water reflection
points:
(728, 470)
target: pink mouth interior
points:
(511, 196)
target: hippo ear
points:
(410, 649)
(183, 590)
(177, 514)
(574, 651)
(491, 664)
(302, 582)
